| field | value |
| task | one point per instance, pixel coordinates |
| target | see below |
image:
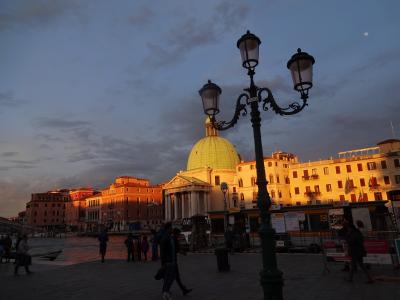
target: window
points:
(287, 180)
(348, 168)
(240, 182)
(294, 174)
(329, 187)
(337, 170)
(271, 179)
(353, 198)
(397, 163)
(296, 190)
(378, 196)
(305, 173)
(251, 167)
(277, 179)
(234, 189)
(371, 166)
(253, 181)
(276, 164)
(365, 197)
(362, 182)
(314, 171)
(279, 194)
(241, 197)
(216, 180)
(386, 179)
(308, 189)
(359, 167)
(340, 184)
(240, 169)
(316, 189)
(373, 182)
(341, 197)
(326, 171)
(397, 178)
(273, 194)
(383, 164)
(269, 164)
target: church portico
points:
(186, 197)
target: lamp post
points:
(224, 189)
(300, 66)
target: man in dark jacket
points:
(356, 250)
(103, 239)
(129, 247)
(175, 236)
(168, 261)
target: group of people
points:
(165, 242)
(21, 255)
(135, 246)
(5, 248)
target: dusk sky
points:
(92, 90)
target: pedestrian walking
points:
(129, 247)
(23, 259)
(103, 239)
(356, 251)
(145, 247)
(168, 263)
(175, 236)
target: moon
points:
(366, 33)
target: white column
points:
(167, 207)
(176, 206)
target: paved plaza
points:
(117, 279)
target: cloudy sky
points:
(91, 90)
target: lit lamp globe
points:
(301, 69)
(248, 45)
(210, 96)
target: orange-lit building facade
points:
(76, 208)
(130, 200)
(47, 210)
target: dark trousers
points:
(154, 250)
(358, 260)
(130, 255)
(178, 279)
(169, 276)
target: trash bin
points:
(222, 259)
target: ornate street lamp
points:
(300, 66)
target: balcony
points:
(312, 193)
(310, 177)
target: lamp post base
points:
(271, 278)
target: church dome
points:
(213, 151)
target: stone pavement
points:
(117, 279)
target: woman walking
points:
(103, 239)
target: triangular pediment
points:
(180, 181)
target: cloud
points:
(142, 16)
(9, 154)
(58, 123)
(7, 99)
(191, 33)
(33, 13)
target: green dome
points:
(214, 152)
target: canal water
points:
(76, 249)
